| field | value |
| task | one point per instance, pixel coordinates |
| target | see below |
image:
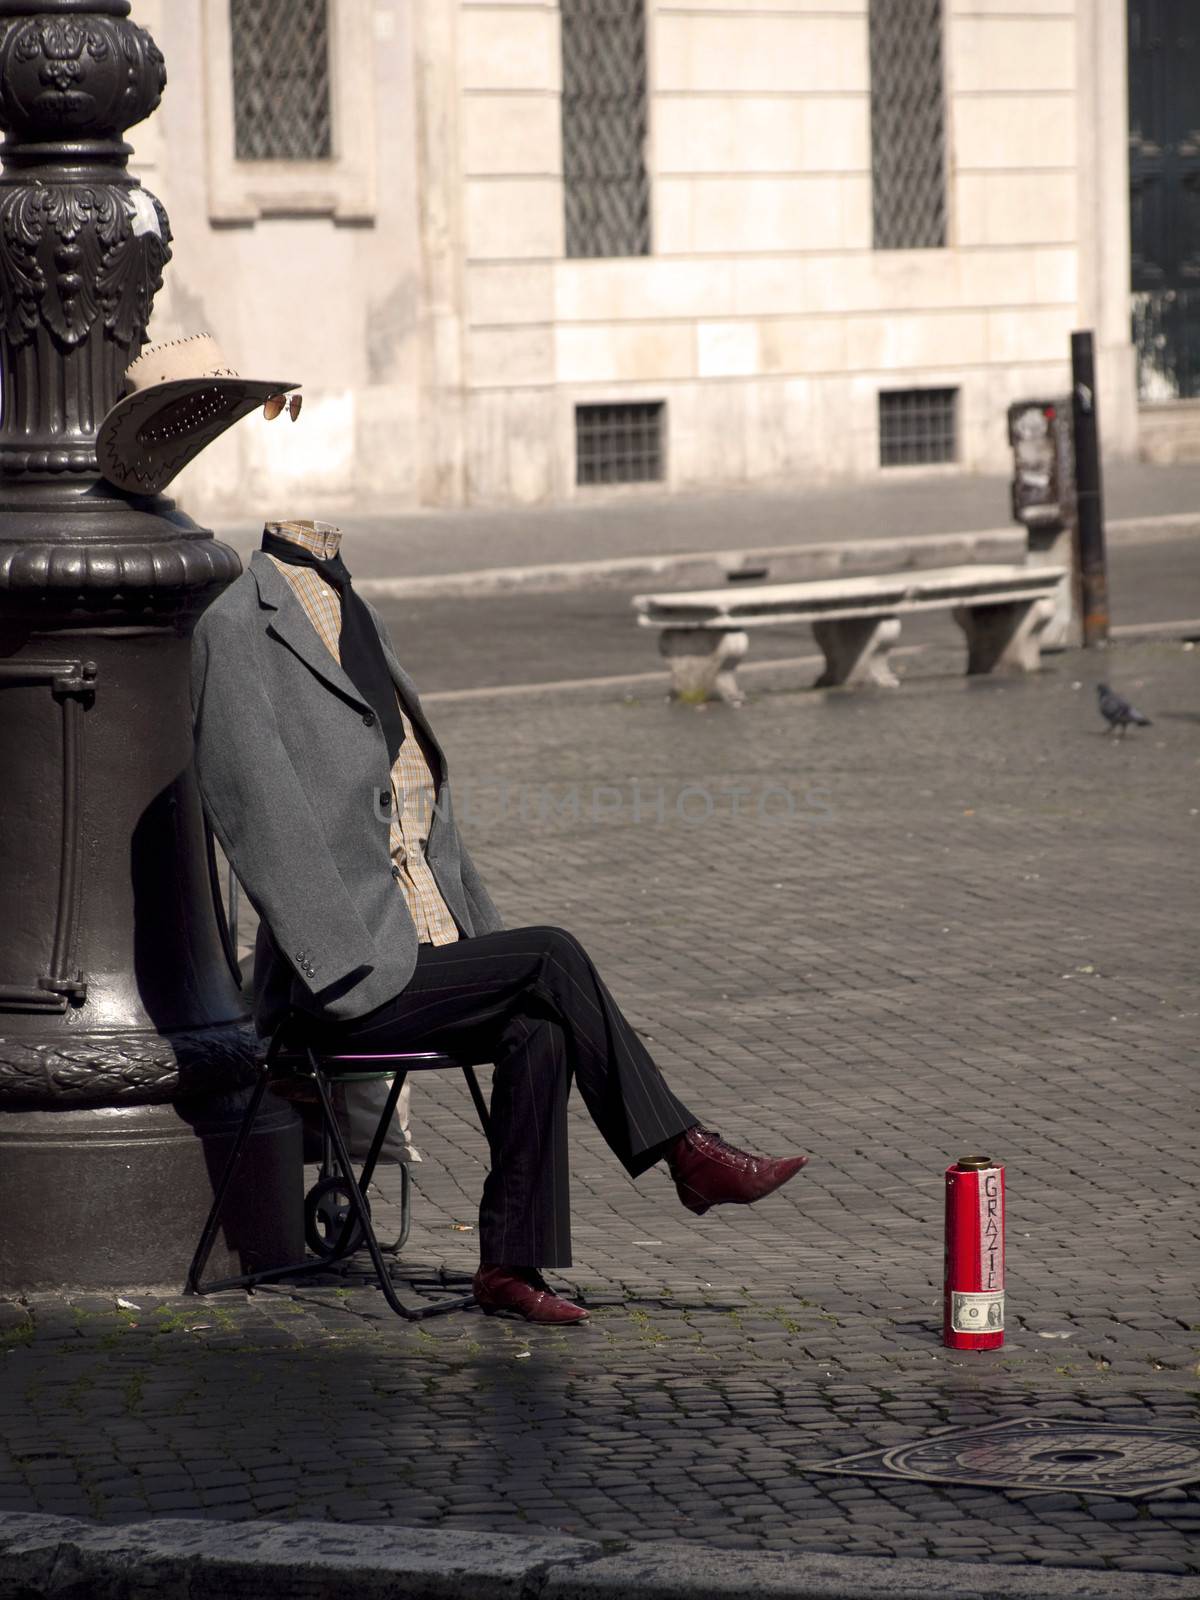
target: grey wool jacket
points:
(292, 763)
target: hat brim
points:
(150, 436)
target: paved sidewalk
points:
(420, 543)
(951, 917)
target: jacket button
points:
(385, 799)
(368, 719)
(396, 873)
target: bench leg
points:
(703, 663)
(856, 651)
(1005, 638)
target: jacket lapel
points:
(289, 623)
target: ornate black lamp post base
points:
(123, 1036)
(115, 1198)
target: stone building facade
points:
(525, 250)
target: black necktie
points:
(358, 643)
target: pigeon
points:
(1118, 712)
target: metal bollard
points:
(973, 1317)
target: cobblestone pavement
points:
(951, 917)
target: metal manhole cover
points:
(1093, 1457)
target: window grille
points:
(281, 100)
(917, 427)
(908, 124)
(606, 193)
(619, 443)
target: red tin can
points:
(973, 1317)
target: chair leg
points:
(382, 1130)
(401, 1239)
(369, 1165)
(336, 1163)
(209, 1234)
(359, 1212)
(485, 1119)
(326, 1154)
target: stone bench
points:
(1002, 610)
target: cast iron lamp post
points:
(123, 1036)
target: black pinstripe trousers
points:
(530, 1001)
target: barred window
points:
(908, 123)
(606, 193)
(281, 99)
(620, 443)
(917, 427)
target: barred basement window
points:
(281, 101)
(606, 193)
(619, 443)
(908, 123)
(917, 427)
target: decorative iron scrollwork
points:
(82, 245)
(129, 1068)
(70, 254)
(77, 77)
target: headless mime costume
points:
(328, 791)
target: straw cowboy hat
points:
(178, 397)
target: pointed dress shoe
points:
(524, 1291)
(709, 1172)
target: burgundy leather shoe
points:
(709, 1172)
(523, 1290)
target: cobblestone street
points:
(887, 928)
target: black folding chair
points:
(337, 1213)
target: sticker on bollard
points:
(976, 1313)
(973, 1318)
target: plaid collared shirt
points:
(412, 781)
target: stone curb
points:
(1186, 629)
(699, 569)
(63, 1558)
